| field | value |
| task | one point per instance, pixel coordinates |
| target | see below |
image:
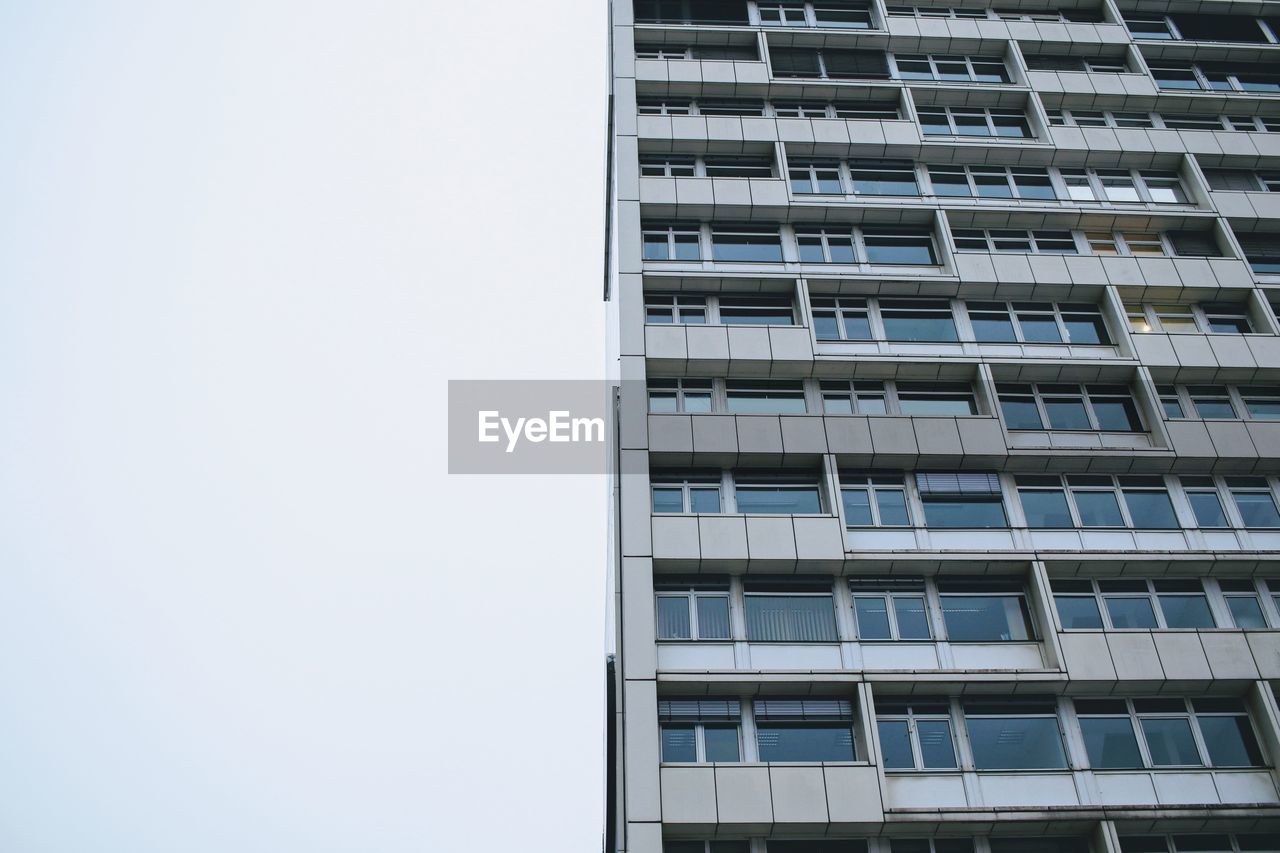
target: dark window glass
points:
(807, 742)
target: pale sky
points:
(243, 245)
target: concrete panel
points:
(723, 537)
(853, 795)
(770, 539)
(1228, 654)
(850, 435)
(759, 434)
(642, 750)
(743, 798)
(1134, 656)
(799, 796)
(820, 539)
(688, 795)
(715, 434)
(638, 619)
(938, 437)
(675, 537)
(1086, 656)
(1265, 647)
(1181, 655)
(670, 433)
(803, 434)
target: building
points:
(948, 428)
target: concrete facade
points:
(947, 503)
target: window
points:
(1107, 408)
(752, 244)
(917, 320)
(1206, 318)
(841, 319)
(1212, 402)
(1244, 842)
(871, 397)
(1242, 180)
(706, 847)
(828, 63)
(692, 612)
(1038, 322)
(879, 245)
(1096, 500)
(790, 614)
(868, 110)
(695, 493)
(984, 610)
(764, 396)
(738, 167)
(915, 734)
(1125, 186)
(777, 493)
(664, 106)
(1094, 64)
(1243, 602)
(973, 121)
(1015, 733)
(700, 730)
(691, 396)
(697, 51)
(667, 166)
(815, 176)
(731, 12)
(1124, 604)
(1206, 503)
(883, 177)
(1014, 240)
(821, 13)
(890, 608)
(671, 308)
(1254, 501)
(1262, 251)
(670, 242)
(826, 245)
(698, 309)
(1262, 402)
(1170, 401)
(992, 182)
(1215, 76)
(729, 107)
(1167, 732)
(1099, 118)
(874, 500)
(805, 729)
(1125, 243)
(951, 69)
(961, 500)
(1150, 27)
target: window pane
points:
(1066, 413)
(749, 248)
(1230, 741)
(992, 327)
(1098, 509)
(892, 504)
(1151, 510)
(1186, 611)
(971, 513)
(678, 743)
(673, 617)
(1117, 415)
(1078, 611)
(832, 742)
(936, 748)
(705, 498)
(801, 500)
(713, 617)
(913, 622)
(1021, 413)
(1258, 509)
(1110, 742)
(1246, 612)
(1046, 509)
(984, 617)
(1170, 742)
(1131, 612)
(857, 507)
(668, 499)
(895, 743)
(721, 743)
(1016, 743)
(873, 617)
(790, 618)
(1208, 509)
(919, 326)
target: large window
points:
(1131, 603)
(961, 500)
(764, 396)
(1221, 402)
(745, 243)
(678, 242)
(983, 610)
(828, 63)
(1216, 76)
(704, 166)
(700, 730)
(1014, 733)
(782, 493)
(1244, 842)
(1096, 500)
(915, 734)
(1020, 240)
(805, 729)
(1262, 252)
(1124, 734)
(697, 611)
(1060, 406)
(1124, 186)
(691, 396)
(731, 12)
(950, 68)
(857, 177)
(1038, 323)
(669, 846)
(819, 13)
(890, 608)
(974, 121)
(883, 318)
(686, 493)
(790, 614)
(741, 52)
(878, 245)
(1204, 318)
(875, 397)
(1000, 182)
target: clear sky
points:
(243, 245)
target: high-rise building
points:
(949, 426)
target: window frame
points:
(691, 596)
(990, 114)
(1117, 485)
(1100, 594)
